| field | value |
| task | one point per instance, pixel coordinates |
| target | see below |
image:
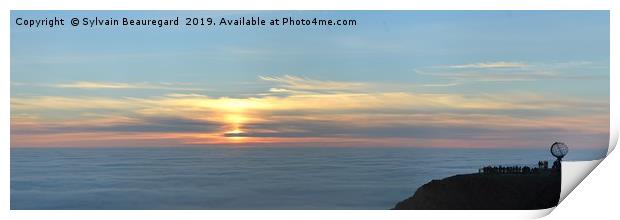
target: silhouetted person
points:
(557, 165)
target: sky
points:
(463, 79)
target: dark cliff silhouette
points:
(516, 191)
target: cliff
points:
(488, 191)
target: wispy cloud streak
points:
(487, 65)
(117, 86)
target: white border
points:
(279, 5)
(314, 5)
(595, 197)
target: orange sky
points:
(299, 111)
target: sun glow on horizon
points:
(234, 136)
(307, 116)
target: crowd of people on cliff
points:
(542, 165)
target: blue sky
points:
(525, 57)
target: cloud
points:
(411, 124)
(500, 64)
(290, 83)
(70, 103)
(331, 102)
(514, 72)
(318, 112)
(442, 84)
(137, 123)
(497, 76)
(116, 85)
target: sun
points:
(235, 135)
(235, 115)
(234, 132)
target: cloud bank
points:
(300, 111)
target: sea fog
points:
(243, 178)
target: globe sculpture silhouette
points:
(559, 150)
